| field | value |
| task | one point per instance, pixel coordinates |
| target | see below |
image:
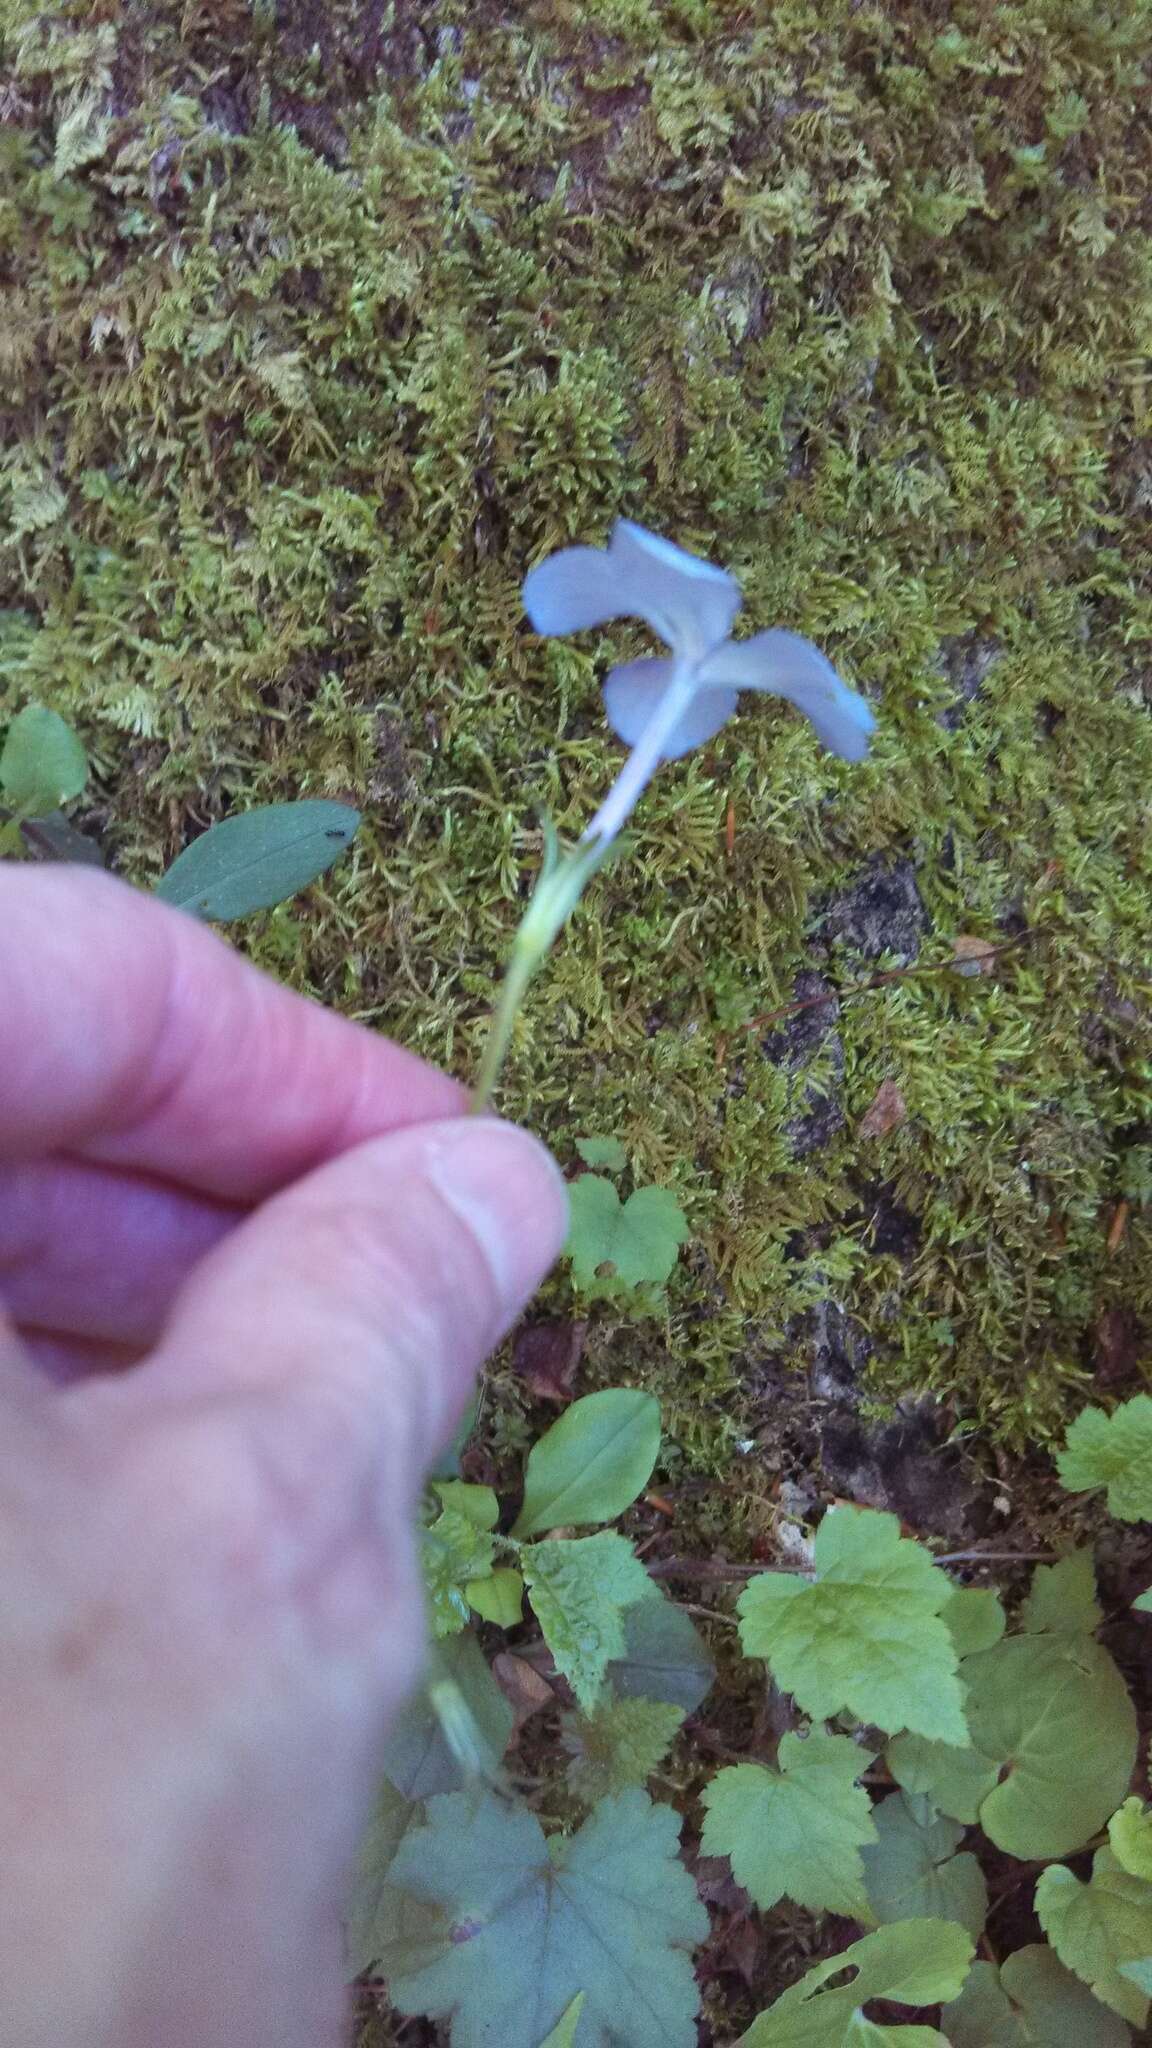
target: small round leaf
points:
(43, 763)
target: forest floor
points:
(321, 324)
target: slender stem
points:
(564, 877)
(516, 978)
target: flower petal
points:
(689, 602)
(575, 588)
(632, 692)
(789, 666)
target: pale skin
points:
(251, 1257)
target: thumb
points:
(371, 1290)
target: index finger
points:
(131, 1034)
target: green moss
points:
(315, 340)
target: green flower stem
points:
(562, 881)
(519, 972)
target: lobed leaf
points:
(1036, 1702)
(1031, 2001)
(1112, 1451)
(867, 1637)
(637, 1241)
(1099, 1927)
(796, 1831)
(516, 1927)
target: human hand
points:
(296, 1251)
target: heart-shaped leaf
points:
(616, 1245)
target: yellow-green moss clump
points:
(319, 327)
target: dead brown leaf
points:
(886, 1110)
(1119, 1347)
(972, 955)
(546, 1356)
(524, 1688)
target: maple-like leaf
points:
(867, 1636)
(796, 1831)
(517, 1926)
(1114, 1451)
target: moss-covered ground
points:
(321, 323)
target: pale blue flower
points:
(663, 707)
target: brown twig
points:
(861, 988)
(996, 1557)
(703, 1568)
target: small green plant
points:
(621, 1248)
(246, 863)
(927, 1735)
(43, 766)
(587, 1468)
(1113, 1451)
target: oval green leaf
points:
(43, 763)
(260, 858)
(498, 1598)
(592, 1463)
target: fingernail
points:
(509, 1193)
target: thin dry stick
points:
(997, 1557)
(702, 1568)
(861, 988)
